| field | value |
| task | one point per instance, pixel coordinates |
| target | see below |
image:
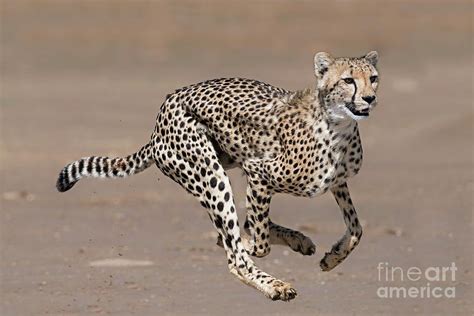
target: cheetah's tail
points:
(104, 167)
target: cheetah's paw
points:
(338, 253)
(302, 244)
(281, 291)
(330, 261)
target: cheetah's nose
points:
(369, 99)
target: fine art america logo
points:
(415, 282)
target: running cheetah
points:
(303, 143)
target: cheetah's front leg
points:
(257, 223)
(347, 243)
(262, 232)
(279, 235)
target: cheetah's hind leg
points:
(212, 188)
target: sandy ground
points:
(83, 78)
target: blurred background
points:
(82, 78)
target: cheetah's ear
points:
(322, 61)
(372, 57)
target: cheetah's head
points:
(347, 86)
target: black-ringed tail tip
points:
(103, 167)
(63, 184)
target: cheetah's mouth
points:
(360, 113)
(356, 114)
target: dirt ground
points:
(83, 78)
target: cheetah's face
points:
(347, 85)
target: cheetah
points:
(303, 143)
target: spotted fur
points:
(303, 143)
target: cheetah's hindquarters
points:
(104, 167)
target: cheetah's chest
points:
(342, 161)
(312, 167)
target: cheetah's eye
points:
(348, 80)
(374, 79)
